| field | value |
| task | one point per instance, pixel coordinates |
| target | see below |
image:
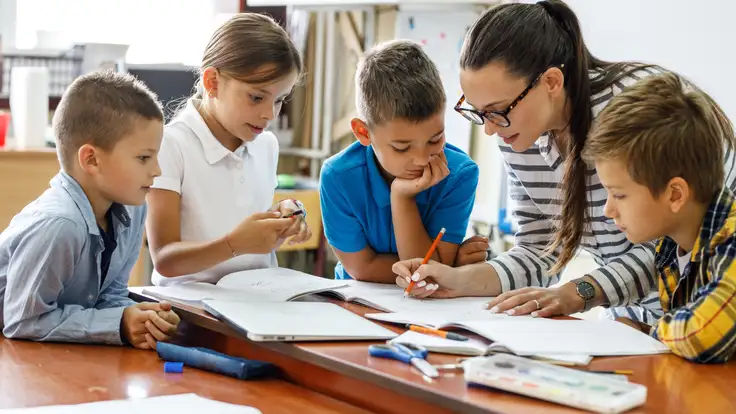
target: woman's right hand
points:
(433, 279)
(260, 233)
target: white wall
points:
(694, 38)
(7, 24)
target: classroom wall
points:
(694, 38)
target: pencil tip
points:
(442, 231)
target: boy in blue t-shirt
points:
(386, 197)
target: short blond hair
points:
(100, 108)
(664, 127)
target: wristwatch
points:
(585, 290)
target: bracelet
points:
(227, 240)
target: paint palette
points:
(579, 389)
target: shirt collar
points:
(715, 217)
(716, 214)
(214, 151)
(72, 187)
(380, 189)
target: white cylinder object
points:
(29, 105)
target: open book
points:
(275, 284)
(475, 347)
(390, 298)
(527, 336)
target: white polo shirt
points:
(218, 188)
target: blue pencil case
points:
(213, 361)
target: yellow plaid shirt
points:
(699, 323)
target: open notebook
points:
(526, 336)
(475, 347)
(390, 298)
(275, 284)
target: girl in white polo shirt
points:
(208, 212)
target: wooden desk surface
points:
(345, 371)
(37, 374)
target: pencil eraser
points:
(173, 367)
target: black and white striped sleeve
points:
(526, 264)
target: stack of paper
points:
(179, 404)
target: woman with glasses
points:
(527, 76)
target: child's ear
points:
(360, 130)
(210, 82)
(678, 194)
(88, 158)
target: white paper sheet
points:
(533, 336)
(179, 404)
(390, 298)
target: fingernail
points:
(535, 314)
(494, 309)
(510, 312)
(408, 279)
(422, 283)
(433, 286)
(415, 276)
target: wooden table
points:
(37, 374)
(345, 371)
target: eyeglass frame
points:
(504, 113)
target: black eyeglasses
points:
(500, 118)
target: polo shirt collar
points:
(75, 191)
(214, 151)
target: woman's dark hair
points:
(529, 39)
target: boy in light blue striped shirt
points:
(66, 258)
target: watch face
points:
(586, 291)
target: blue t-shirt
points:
(356, 202)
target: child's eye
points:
(256, 99)
(618, 196)
(401, 149)
(144, 158)
(435, 142)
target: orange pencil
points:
(436, 332)
(432, 248)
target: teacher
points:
(527, 76)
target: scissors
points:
(408, 354)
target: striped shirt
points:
(699, 301)
(626, 273)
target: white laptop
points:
(296, 321)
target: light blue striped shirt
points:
(50, 268)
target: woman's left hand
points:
(539, 302)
